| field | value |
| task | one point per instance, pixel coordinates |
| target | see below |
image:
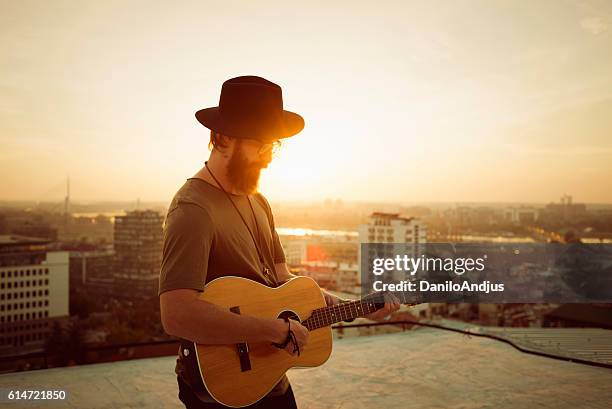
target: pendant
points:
(268, 274)
(266, 271)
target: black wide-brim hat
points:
(251, 107)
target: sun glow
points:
(401, 103)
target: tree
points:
(66, 345)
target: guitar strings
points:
(328, 315)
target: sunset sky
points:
(403, 101)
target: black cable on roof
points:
(490, 336)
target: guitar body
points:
(238, 379)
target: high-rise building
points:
(391, 228)
(138, 250)
(33, 292)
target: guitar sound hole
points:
(289, 314)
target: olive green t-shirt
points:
(205, 238)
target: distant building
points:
(33, 292)
(296, 251)
(91, 272)
(324, 273)
(565, 211)
(93, 229)
(300, 251)
(138, 250)
(521, 214)
(348, 278)
(35, 229)
(391, 228)
(332, 275)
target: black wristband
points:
(286, 342)
(290, 338)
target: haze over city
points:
(426, 102)
(456, 157)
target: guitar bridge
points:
(242, 348)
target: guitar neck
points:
(323, 317)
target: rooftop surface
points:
(423, 368)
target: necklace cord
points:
(255, 242)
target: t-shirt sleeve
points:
(188, 238)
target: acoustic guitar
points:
(238, 375)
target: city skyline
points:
(412, 102)
(103, 206)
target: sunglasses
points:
(266, 148)
(273, 147)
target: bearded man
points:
(218, 225)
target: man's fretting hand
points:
(392, 304)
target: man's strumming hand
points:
(300, 332)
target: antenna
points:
(67, 198)
(67, 203)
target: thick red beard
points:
(244, 175)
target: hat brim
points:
(290, 124)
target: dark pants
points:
(191, 401)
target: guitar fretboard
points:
(323, 317)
